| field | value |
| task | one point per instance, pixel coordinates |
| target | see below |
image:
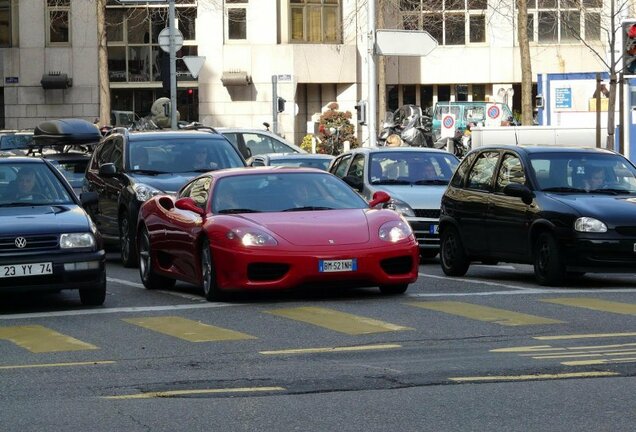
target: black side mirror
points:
(520, 191)
(354, 182)
(108, 170)
(89, 198)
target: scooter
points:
(459, 145)
(415, 128)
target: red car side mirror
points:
(380, 197)
(190, 205)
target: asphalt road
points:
(490, 351)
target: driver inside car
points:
(24, 187)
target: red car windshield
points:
(278, 192)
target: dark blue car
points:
(129, 167)
(47, 241)
(567, 211)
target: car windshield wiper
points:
(238, 210)
(563, 189)
(431, 182)
(147, 171)
(391, 182)
(611, 191)
(307, 208)
(23, 204)
(202, 170)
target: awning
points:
(236, 78)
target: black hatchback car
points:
(47, 241)
(129, 167)
(567, 211)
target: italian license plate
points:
(18, 270)
(325, 266)
(433, 229)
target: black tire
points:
(394, 289)
(210, 288)
(149, 278)
(428, 253)
(92, 296)
(127, 246)
(452, 254)
(549, 267)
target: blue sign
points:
(563, 97)
(11, 80)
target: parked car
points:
(540, 205)
(252, 142)
(273, 228)
(307, 160)
(15, 143)
(415, 177)
(47, 241)
(129, 167)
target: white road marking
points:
(135, 309)
(141, 286)
(519, 289)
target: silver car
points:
(415, 177)
(252, 142)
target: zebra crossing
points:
(39, 339)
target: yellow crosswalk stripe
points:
(337, 321)
(39, 339)
(595, 304)
(485, 313)
(192, 331)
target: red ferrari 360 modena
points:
(273, 228)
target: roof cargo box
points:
(66, 132)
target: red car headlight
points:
(395, 231)
(251, 237)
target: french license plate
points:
(18, 270)
(325, 266)
(433, 229)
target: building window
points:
(450, 22)
(315, 21)
(58, 18)
(558, 21)
(426, 96)
(236, 15)
(134, 54)
(5, 24)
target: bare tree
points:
(526, 63)
(102, 64)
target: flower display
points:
(334, 129)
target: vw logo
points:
(20, 242)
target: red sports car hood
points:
(316, 228)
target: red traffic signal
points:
(631, 31)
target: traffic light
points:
(361, 108)
(629, 47)
(280, 104)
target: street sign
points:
(164, 39)
(404, 42)
(194, 64)
(448, 126)
(493, 115)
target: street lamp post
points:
(173, 67)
